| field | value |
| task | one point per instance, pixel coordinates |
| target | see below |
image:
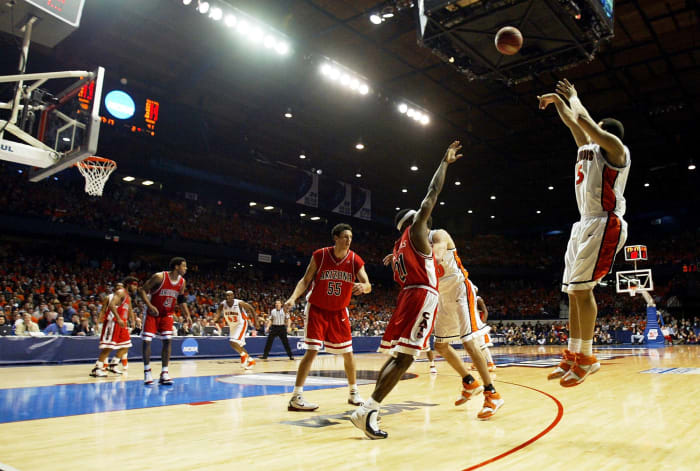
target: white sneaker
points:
(298, 404)
(355, 399)
(147, 377)
(165, 379)
(433, 370)
(366, 420)
(98, 373)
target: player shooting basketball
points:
(600, 176)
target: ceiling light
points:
(147, 182)
(414, 168)
(302, 156)
(256, 35)
(410, 112)
(216, 14)
(539, 212)
(375, 19)
(457, 183)
(288, 113)
(470, 211)
(230, 21)
(302, 214)
(404, 190)
(345, 80)
(691, 166)
(269, 208)
(252, 203)
(326, 69)
(388, 15)
(203, 7)
(269, 42)
(646, 185)
(424, 120)
(315, 218)
(334, 73)
(186, 2)
(451, 60)
(403, 107)
(243, 27)
(364, 89)
(55, 179)
(282, 48)
(128, 179)
(550, 187)
(355, 84)
(442, 203)
(358, 175)
(493, 197)
(397, 208)
(359, 146)
(66, 139)
(319, 171)
(493, 217)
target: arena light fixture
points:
(403, 107)
(203, 7)
(319, 171)
(269, 42)
(147, 182)
(303, 215)
(442, 203)
(375, 19)
(691, 165)
(493, 217)
(302, 156)
(397, 208)
(186, 2)
(230, 21)
(404, 190)
(646, 185)
(539, 212)
(128, 178)
(343, 76)
(252, 203)
(493, 197)
(358, 175)
(269, 208)
(470, 211)
(315, 218)
(550, 187)
(414, 112)
(288, 114)
(359, 146)
(414, 168)
(216, 14)
(457, 183)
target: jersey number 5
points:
(334, 288)
(579, 174)
(400, 268)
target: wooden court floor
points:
(640, 412)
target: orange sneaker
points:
(469, 391)
(565, 365)
(492, 402)
(582, 367)
(492, 367)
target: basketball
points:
(509, 40)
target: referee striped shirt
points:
(279, 317)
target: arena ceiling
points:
(647, 77)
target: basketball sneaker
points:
(113, 367)
(492, 367)
(165, 379)
(366, 420)
(492, 402)
(565, 365)
(249, 364)
(582, 367)
(147, 377)
(355, 399)
(298, 404)
(98, 373)
(469, 391)
(433, 370)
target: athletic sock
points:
(353, 388)
(164, 370)
(587, 347)
(124, 361)
(487, 353)
(147, 368)
(298, 390)
(371, 404)
(490, 388)
(99, 365)
(575, 345)
(469, 379)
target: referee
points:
(281, 322)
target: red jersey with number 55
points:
(412, 268)
(332, 287)
(165, 297)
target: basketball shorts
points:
(329, 329)
(591, 251)
(483, 341)
(161, 325)
(114, 336)
(457, 319)
(412, 322)
(238, 331)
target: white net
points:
(96, 171)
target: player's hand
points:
(546, 100)
(121, 322)
(451, 154)
(566, 89)
(388, 260)
(358, 288)
(289, 304)
(153, 309)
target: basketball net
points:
(633, 290)
(96, 171)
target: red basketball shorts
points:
(412, 323)
(327, 328)
(114, 336)
(161, 325)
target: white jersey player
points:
(237, 313)
(600, 175)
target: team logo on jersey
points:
(190, 347)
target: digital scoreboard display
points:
(68, 11)
(634, 253)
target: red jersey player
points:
(331, 273)
(164, 289)
(411, 324)
(115, 333)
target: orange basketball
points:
(509, 40)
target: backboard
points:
(632, 281)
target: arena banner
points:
(59, 349)
(309, 190)
(345, 205)
(364, 203)
(264, 258)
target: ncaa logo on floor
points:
(190, 347)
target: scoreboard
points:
(634, 253)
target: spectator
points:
(57, 328)
(26, 326)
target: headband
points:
(405, 217)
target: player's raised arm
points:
(610, 143)
(419, 228)
(148, 287)
(302, 285)
(566, 115)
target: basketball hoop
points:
(633, 286)
(96, 171)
